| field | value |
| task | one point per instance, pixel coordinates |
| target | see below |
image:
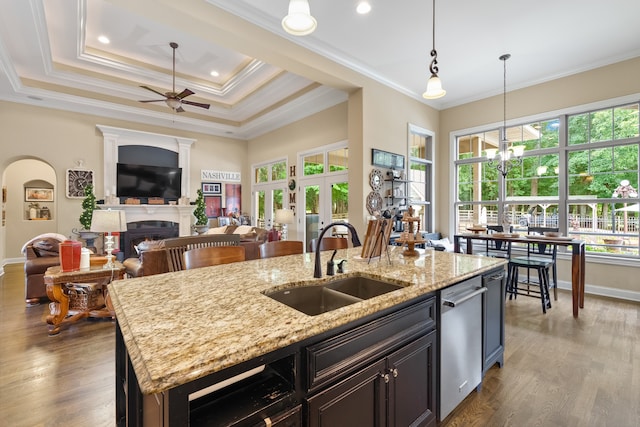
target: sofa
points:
(40, 253)
(152, 256)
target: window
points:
(269, 182)
(586, 186)
(421, 175)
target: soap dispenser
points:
(331, 265)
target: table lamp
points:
(107, 222)
(284, 217)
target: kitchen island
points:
(180, 333)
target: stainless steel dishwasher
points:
(460, 342)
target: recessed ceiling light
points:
(104, 40)
(363, 8)
(214, 73)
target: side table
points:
(56, 281)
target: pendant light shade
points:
(434, 85)
(434, 88)
(299, 21)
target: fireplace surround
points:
(116, 137)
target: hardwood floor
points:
(559, 371)
(62, 380)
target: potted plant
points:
(88, 206)
(202, 221)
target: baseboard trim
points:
(604, 292)
(7, 261)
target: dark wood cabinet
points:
(493, 319)
(378, 373)
(397, 389)
(412, 385)
(359, 400)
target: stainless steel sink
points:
(362, 287)
(313, 300)
(318, 299)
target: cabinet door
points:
(357, 401)
(493, 319)
(412, 389)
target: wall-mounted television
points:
(148, 181)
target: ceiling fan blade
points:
(153, 90)
(153, 100)
(184, 94)
(196, 104)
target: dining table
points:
(578, 256)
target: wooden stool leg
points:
(546, 287)
(542, 293)
(513, 286)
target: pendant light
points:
(299, 21)
(506, 161)
(434, 85)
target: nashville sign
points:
(206, 175)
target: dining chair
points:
(540, 257)
(329, 243)
(175, 247)
(281, 248)
(212, 255)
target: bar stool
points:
(542, 267)
(497, 248)
(541, 257)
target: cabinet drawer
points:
(338, 356)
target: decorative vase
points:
(506, 225)
(87, 236)
(201, 229)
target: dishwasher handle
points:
(454, 302)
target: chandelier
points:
(506, 157)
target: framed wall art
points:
(387, 160)
(211, 188)
(77, 180)
(32, 194)
(213, 205)
(233, 194)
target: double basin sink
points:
(318, 299)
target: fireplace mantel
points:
(116, 137)
(180, 214)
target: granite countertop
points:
(181, 326)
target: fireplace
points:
(140, 231)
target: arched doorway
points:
(30, 196)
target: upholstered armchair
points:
(40, 253)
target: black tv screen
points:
(148, 181)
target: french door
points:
(325, 201)
(324, 190)
(267, 198)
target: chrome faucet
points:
(317, 271)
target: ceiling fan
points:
(173, 99)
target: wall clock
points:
(77, 180)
